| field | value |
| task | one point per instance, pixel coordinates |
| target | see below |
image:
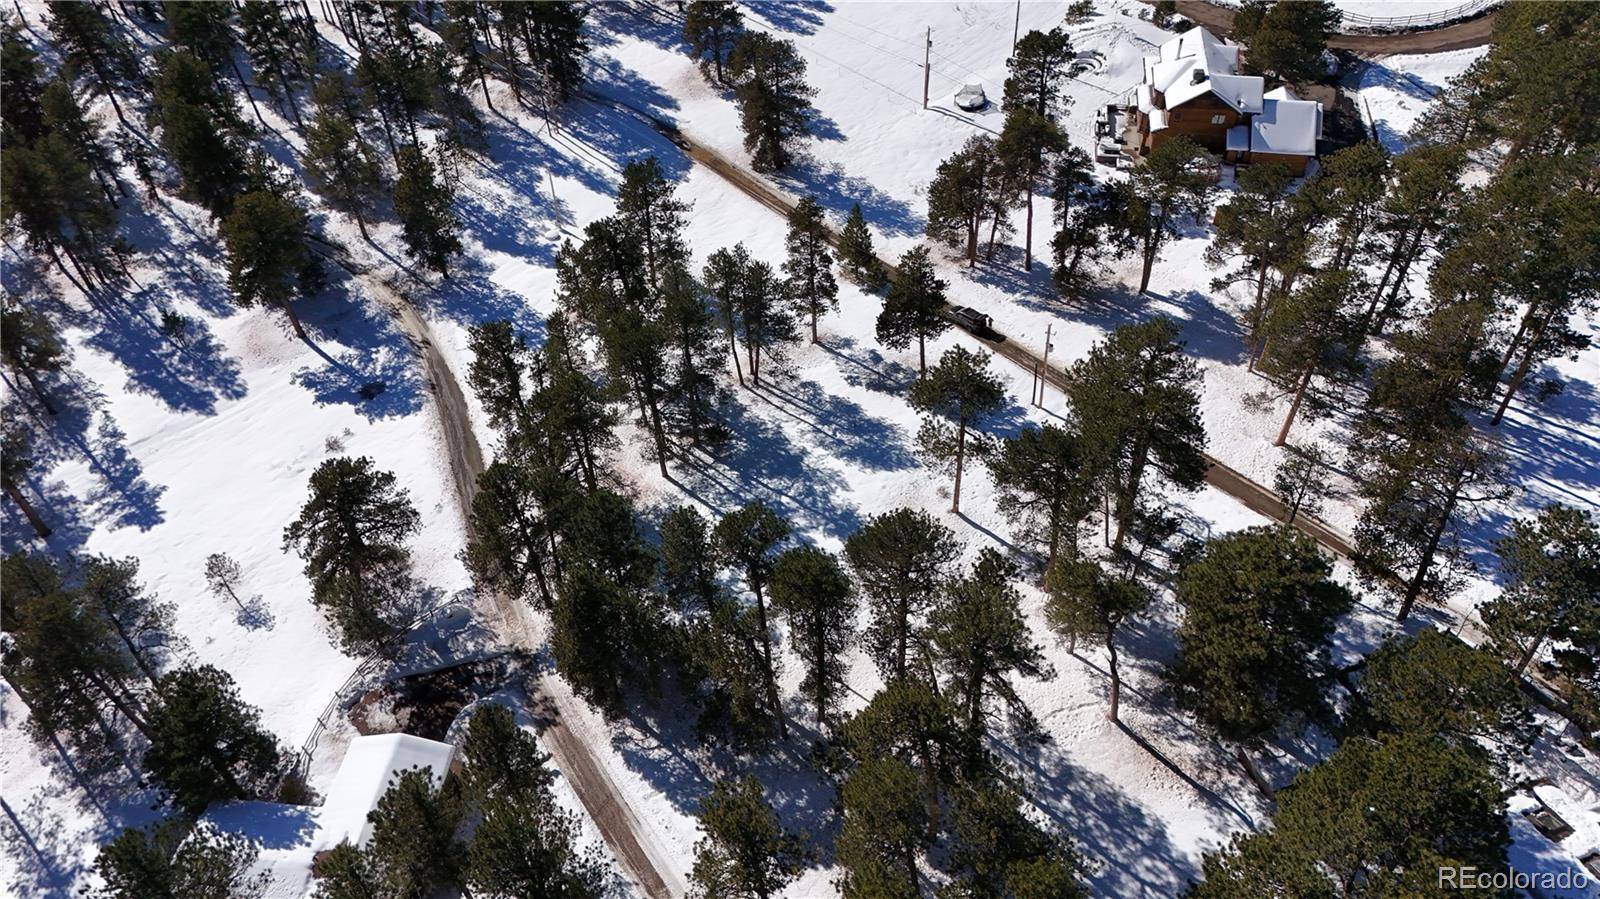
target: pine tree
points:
(711, 28)
(589, 639)
(653, 216)
(1387, 815)
(1432, 684)
(724, 279)
(1551, 568)
(744, 540)
(111, 588)
(1137, 397)
(555, 44)
(745, 853)
(205, 29)
(999, 850)
(50, 195)
(1286, 39)
(1172, 186)
(499, 375)
(350, 534)
(1044, 484)
(963, 194)
(341, 162)
(346, 872)
(525, 844)
(90, 42)
(812, 590)
(30, 348)
(276, 40)
(910, 721)
(60, 114)
(223, 574)
(468, 35)
(63, 658)
(1347, 193)
(176, 858)
(200, 131)
(1301, 481)
(16, 461)
(914, 308)
(1037, 68)
(1554, 280)
(856, 255)
(572, 409)
(980, 639)
(1424, 195)
(728, 650)
(1259, 607)
(1034, 101)
(898, 557)
(265, 234)
(22, 120)
(1532, 90)
(509, 548)
(688, 574)
(810, 264)
(1254, 225)
(774, 100)
(1420, 497)
(500, 758)
(691, 329)
(1085, 600)
(765, 320)
(884, 828)
(414, 847)
(206, 744)
(601, 531)
(1312, 331)
(423, 204)
(956, 396)
(530, 849)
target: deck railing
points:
(1356, 22)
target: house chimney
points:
(1197, 76)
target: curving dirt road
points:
(1471, 33)
(619, 826)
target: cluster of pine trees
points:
(765, 73)
(92, 653)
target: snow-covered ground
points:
(221, 464)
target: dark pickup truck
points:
(971, 319)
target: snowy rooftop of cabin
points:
(1196, 62)
(1286, 124)
(291, 836)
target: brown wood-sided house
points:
(1193, 88)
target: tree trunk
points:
(245, 86)
(961, 447)
(288, 93)
(766, 660)
(1527, 657)
(1027, 241)
(1253, 772)
(733, 349)
(902, 637)
(1116, 676)
(294, 321)
(1294, 407)
(972, 243)
(1414, 586)
(28, 512)
(1149, 263)
(119, 701)
(1127, 503)
(922, 357)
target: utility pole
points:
(1016, 28)
(927, 70)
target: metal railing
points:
(1356, 22)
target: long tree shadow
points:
(855, 435)
(760, 462)
(370, 363)
(793, 16)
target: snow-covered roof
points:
(369, 766)
(1197, 62)
(290, 836)
(1286, 126)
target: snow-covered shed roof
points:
(370, 765)
(291, 836)
(1286, 124)
(1197, 62)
